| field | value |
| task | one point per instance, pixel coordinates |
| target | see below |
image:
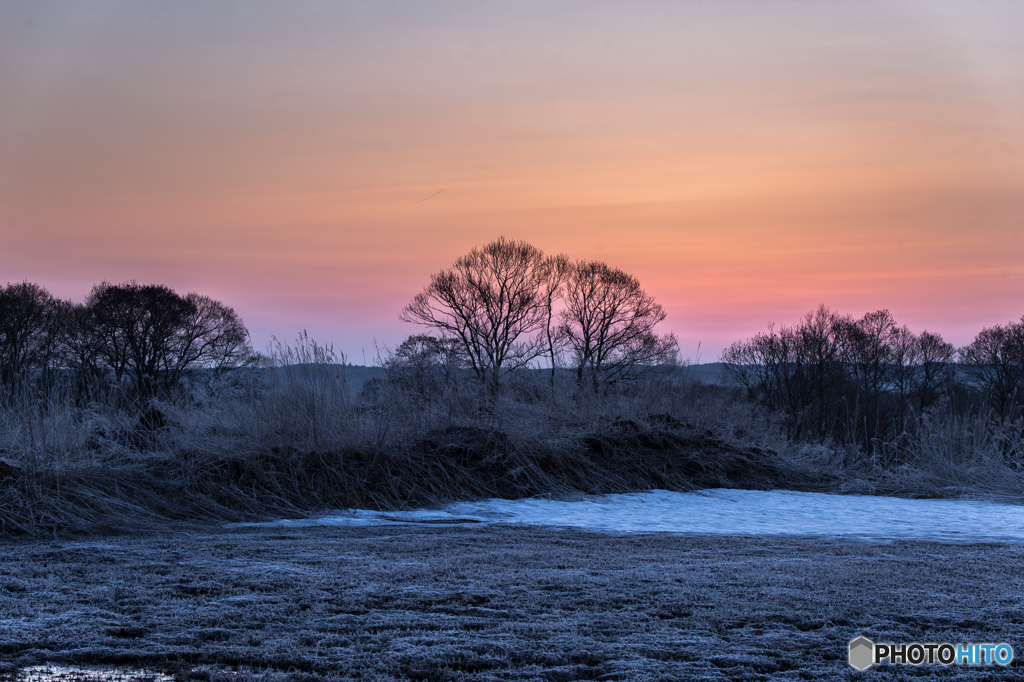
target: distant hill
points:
(708, 373)
(357, 375)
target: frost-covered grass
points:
(497, 603)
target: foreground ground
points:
(501, 603)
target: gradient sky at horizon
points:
(746, 160)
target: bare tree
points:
(820, 350)
(994, 363)
(150, 334)
(936, 367)
(135, 325)
(492, 300)
(28, 320)
(425, 364)
(868, 360)
(761, 366)
(797, 370)
(905, 353)
(211, 336)
(833, 376)
(82, 352)
(921, 365)
(608, 323)
(557, 270)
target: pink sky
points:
(745, 160)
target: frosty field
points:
(498, 602)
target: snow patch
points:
(722, 512)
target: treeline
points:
(125, 342)
(499, 309)
(868, 381)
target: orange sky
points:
(745, 160)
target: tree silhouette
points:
(608, 323)
(994, 363)
(28, 333)
(151, 335)
(492, 300)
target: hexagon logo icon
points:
(862, 653)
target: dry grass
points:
(128, 488)
(296, 436)
(946, 456)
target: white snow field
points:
(723, 512)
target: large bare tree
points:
(608, 323)
(211, 336)
(493, 300)
(994, 364)
(28, 321)
(152, 335)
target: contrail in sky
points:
(431, 196)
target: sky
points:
(311, 164)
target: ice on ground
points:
(56, 673)
(724, 512)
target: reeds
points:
(946, 454)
